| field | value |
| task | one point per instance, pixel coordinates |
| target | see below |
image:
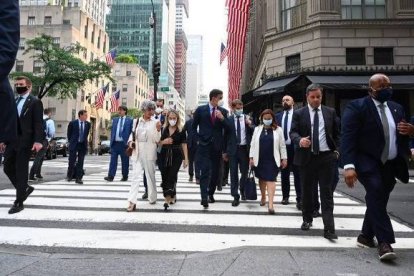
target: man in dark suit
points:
(239, 136)
(375, 152)
(9, 44)
(120, 131)
(284, 119)
(78, 131)
(211, 121)
(192, 149)
(31, 136)
(315, 133)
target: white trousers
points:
(138, 168)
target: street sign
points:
(165, 89)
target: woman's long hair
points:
(269, 111)
(178, 124)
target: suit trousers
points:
(209, 160)
(76, 156)
(140, 167)
(192, 162)
(38, 162)
(237, 162)
(319, 169)
(316, 204)
(118, 149)
(285, 175)
(378, 186)
(16, 167)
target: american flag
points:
(223, 53)
(101, 96)
(110, 57)
(115, 101)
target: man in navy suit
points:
(375, 152)
(78, 131)
(240, 132)
(210, 119)
(9, 43)
(284, 119)
(120, 131)
(192, 149)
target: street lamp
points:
(155, 63)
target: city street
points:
(85, 230)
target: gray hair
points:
(313, 87)
(147, 104)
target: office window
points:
(66, 22)
(22, 43)
(31, 21)
(293, 13)
(48, 20)
(383, 56)
(128, 73)
(37, 66)
(56, 41)
(124, 101)
(293, 63)
(355, 56)
(19, 65)
(366, 9)
(124, 87)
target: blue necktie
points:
(18, 100)
(285, 125)
(238, 131)
(121, 125)
(315, 136)
(81, 133)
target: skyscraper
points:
(181, 46)
(194, 71)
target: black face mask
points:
(21, 89)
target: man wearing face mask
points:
(212, 124)
(192, 149)
(284, 119)
(237, 150)
(30, 138)
(375, 151)
(159, 111)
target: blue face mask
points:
(267, 122)
(384, 95)
(238, 112)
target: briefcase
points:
(250, 187)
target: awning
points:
(274, 86)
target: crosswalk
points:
(93, 216)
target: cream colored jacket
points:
(146, 150)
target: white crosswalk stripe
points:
(92, 215)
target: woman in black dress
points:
(173, 154)
(267, 154)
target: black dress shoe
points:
(32, 178)
(299, 205)
(145, 195)
(109, 178)
(29, 190)
(235, 203)
(211, 199)
(166, 206)
(219, 188)
(243, 197)
(190, 179)
(330, 235)
(306, 226)
(69, 179)
(385, 252)
(365, 242)
(39, 177)
(124, 179)
(204, 202)
(79, 181)
(316, 214)
(285, 201)
(17, 207)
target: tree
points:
(62, 73)
(125, 58)
(132, 112)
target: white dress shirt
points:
(289, 124)
(117, 137)
(21, 103)
(242, 129)
(323, 145)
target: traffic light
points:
(156, 70)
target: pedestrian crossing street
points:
(92, 216)
(62, 163)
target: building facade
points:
(194, 71)
(181, 46)
(337, 43)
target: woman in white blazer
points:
(267, 154)
(146, 133)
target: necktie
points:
(213, 116)
(81, 133)
(386, 128)
(18, 100)
(121, 126)
(238, 131)
(285, 125)
(315, 135)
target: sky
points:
(207, 18)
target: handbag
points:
(130, 150)
(250, 186)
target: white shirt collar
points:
(311, 108)
(377, 103)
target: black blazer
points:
(301, 127)
(73, 134)
(191, 134)
(231, 147)
(31, 122)
(210, 133)
(363, 138)
(9, 43)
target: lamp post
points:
(155, 63)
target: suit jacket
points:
(412, 139)
(31, 122)
(145, 150)
(363, 137)
(9, 43)
(73, 134)
(126, 131)
(301, 127)
(208, 132)
(191, 134)
(231, 139)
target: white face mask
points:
(220, 103)
(158, 110)
(172, 122)
(267, 122)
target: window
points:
(124, 101)
(367, 9)
(22, 43)
(128, 73)
(383, 56)
(125, 88)
(19, 65)
(293, 13)
(293, 63)
(355, 56)
(31, 21)
(66, 22)
(48, 20)
(82, 95)
(56, 41)
(37, 66)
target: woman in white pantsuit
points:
(143, 139)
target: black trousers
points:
(36, 168)
(209, 160)
(16, 167)
(169, 172)
(192, 162)
(285, 175)
(76, 156)
(237, 162)
(320, 170)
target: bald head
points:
(380, 87)
(378, 78)
(287, 102)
